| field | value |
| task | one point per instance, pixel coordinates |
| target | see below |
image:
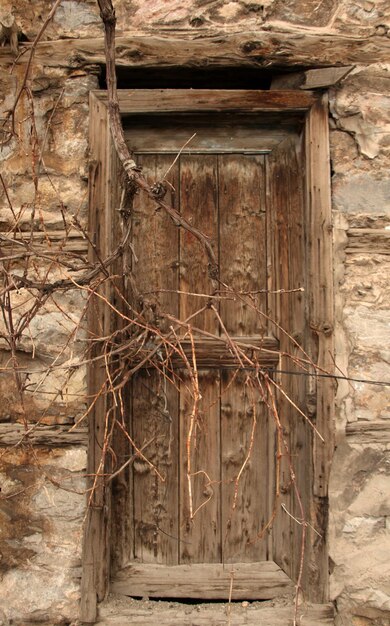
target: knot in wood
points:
(327, 329)
(250, 46)
(213, 271)
(159, 190)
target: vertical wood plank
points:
(155, 241)
(96, 534)
(244, 491)
(301, 434)
(321, 281)
(198, 204)
(287, 243)
(155, 402)
(121, 539)
(278, 191)
(321, 340)
(241, 184)
(200, 537)
(122, 531)
(295, 383)
(155, 424)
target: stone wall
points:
(43, 488)
(359, 488)
(43, 502)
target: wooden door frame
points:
(104, 228)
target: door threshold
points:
(120, 610)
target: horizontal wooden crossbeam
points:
(219, 353)
(212, 581)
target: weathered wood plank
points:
(156, 499)
(278, 164)
(201, 100)
(255, 132)
(200, 534)
(241, 183)
(121, 540)
(244, 468)
(321, 336)
(214, 352)
(51, 436)
(156, 241)
(311, 79)
(198, 204)
(251, 581)
(122, 517)
(295, 385)
(320, 283)
(313, 47)
(95, 546)
(117, 612)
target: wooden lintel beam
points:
(203, 100)
(266, 49)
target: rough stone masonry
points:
(41, 525)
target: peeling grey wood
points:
(51, 436)
(311, 79)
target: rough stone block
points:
(362, 193)
(41, 535)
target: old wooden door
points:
(197, 507)
(211, 511)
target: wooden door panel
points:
(242, 240)
(198, 204)
(200, 484)
(155, 480)
(155, 240)
(212, 502)
(279, 311)
(246, 473)
(286, 237)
